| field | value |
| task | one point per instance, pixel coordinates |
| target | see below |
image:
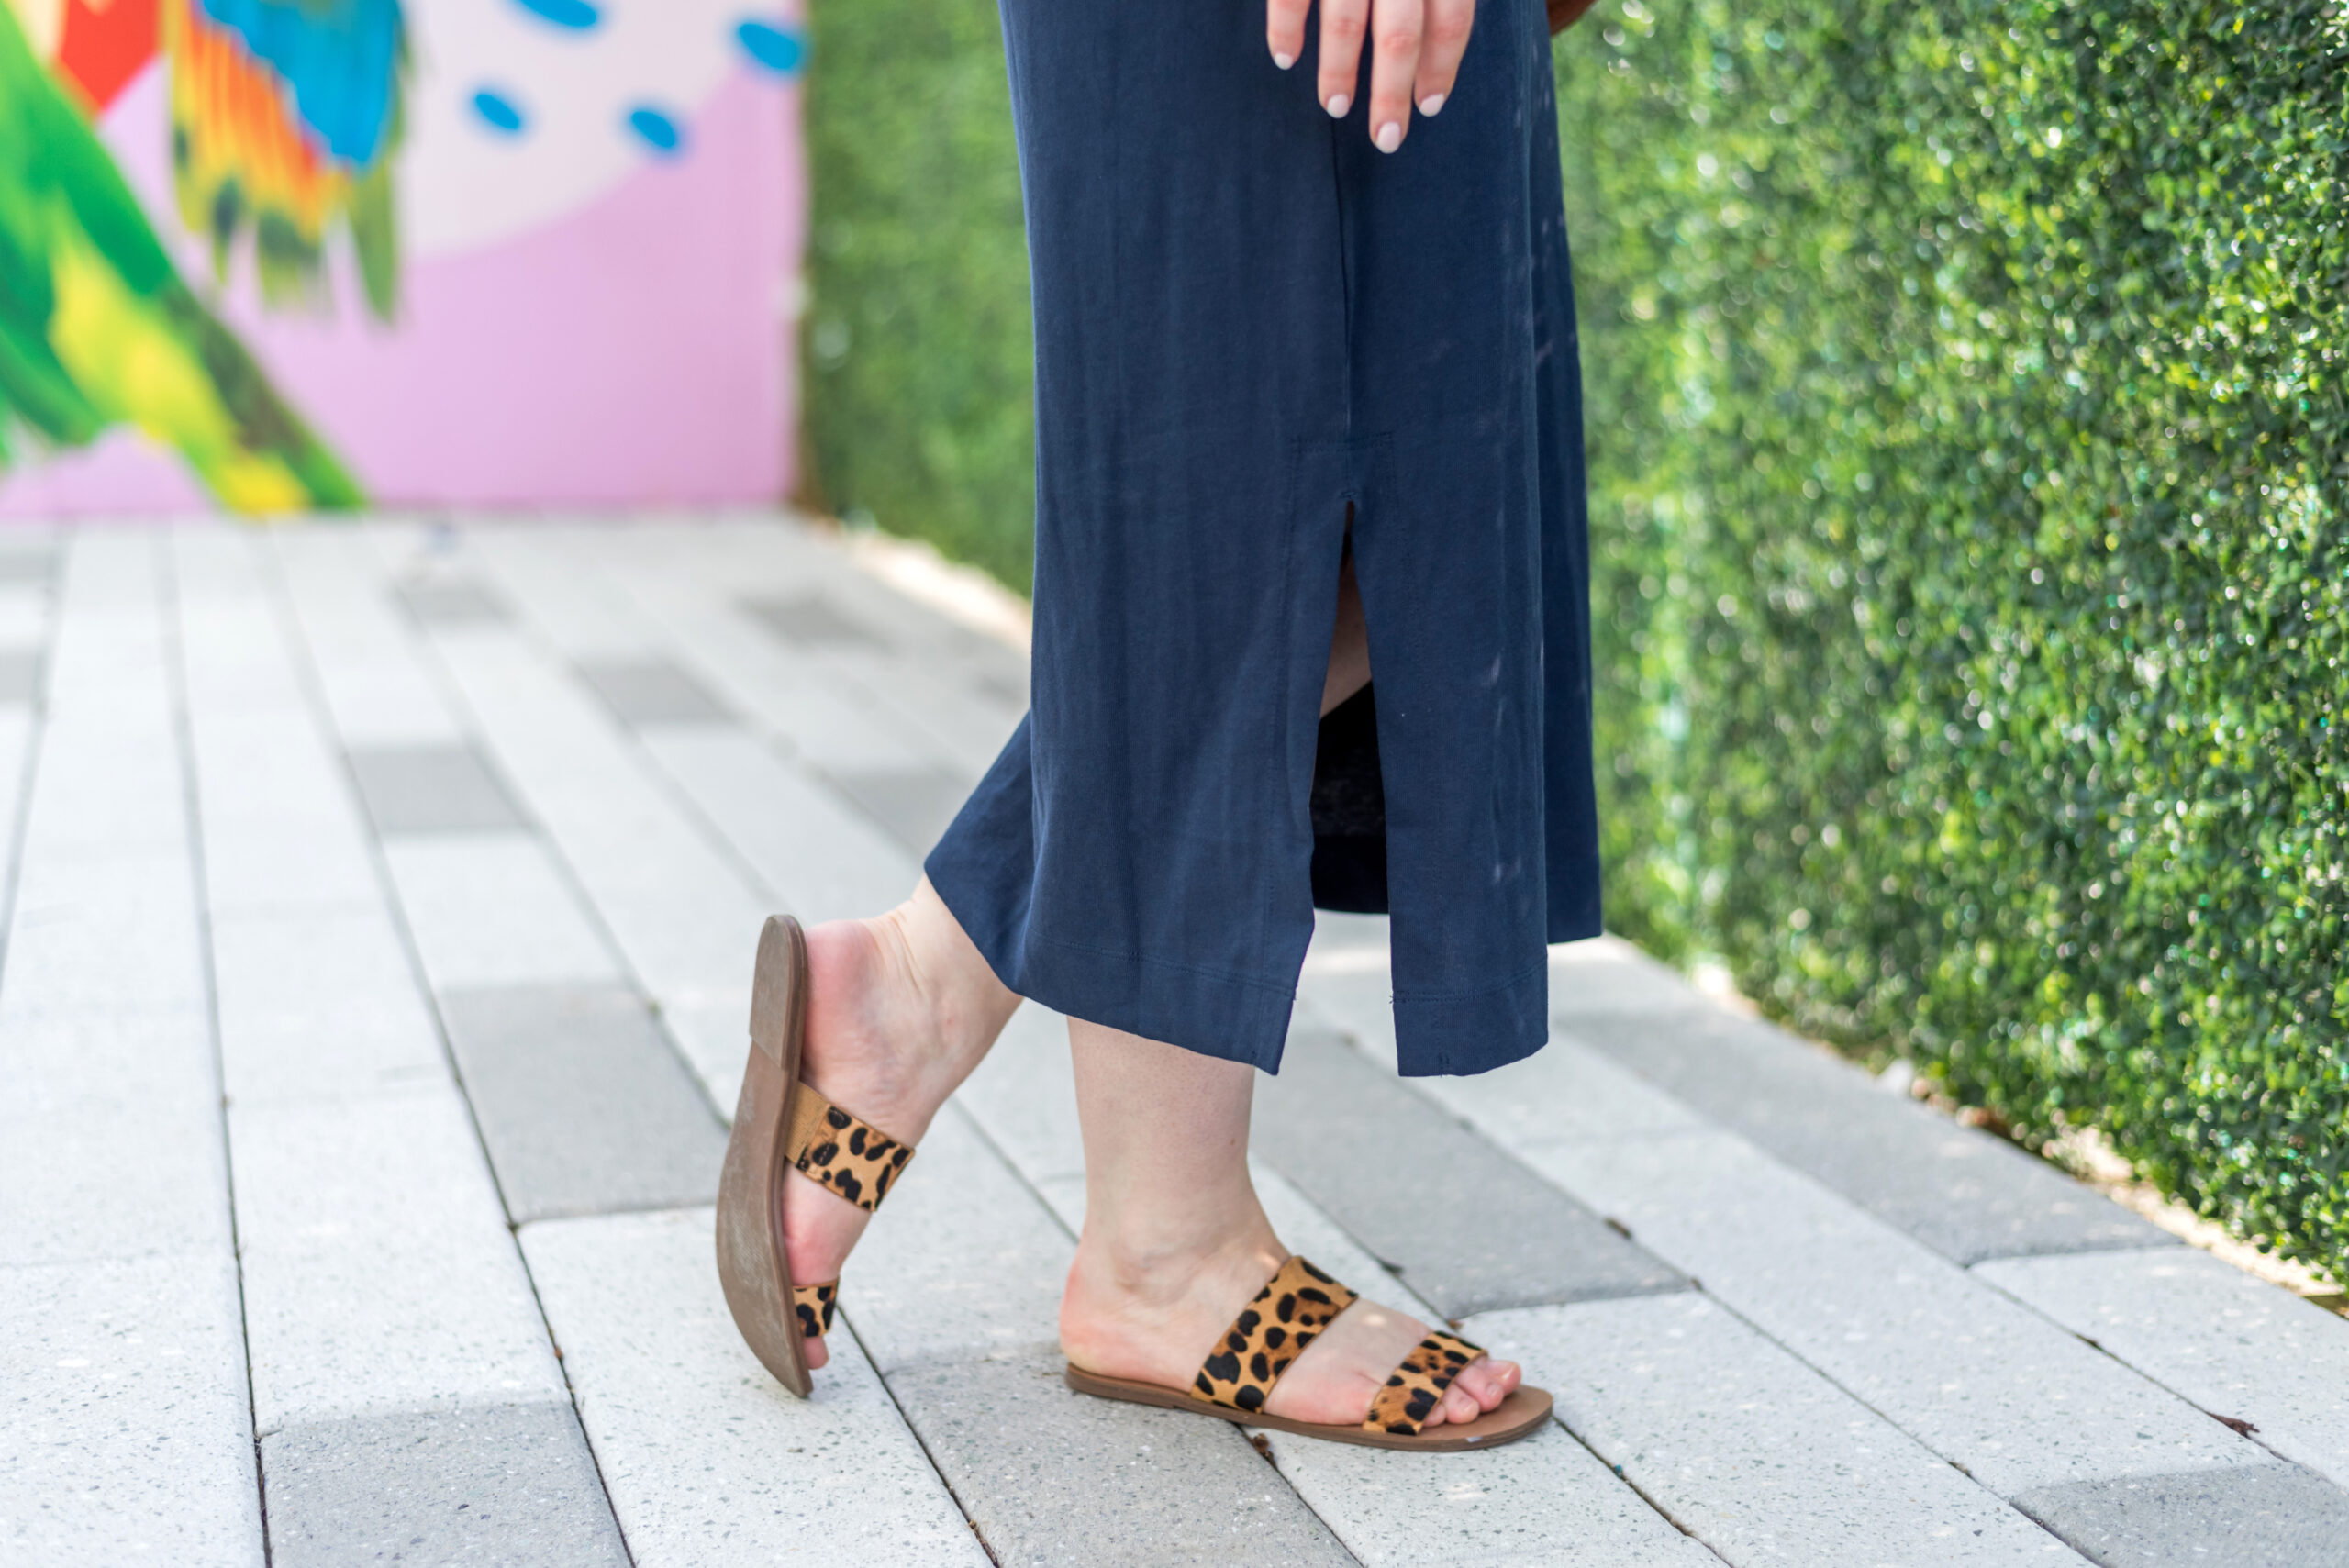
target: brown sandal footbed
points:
(1293, 1309)
(782, 1125)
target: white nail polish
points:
(1283, 60)
(1390, 136)
(1431, 104)
(1337, 105)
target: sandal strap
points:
(1410, 1395)
(850, 1156)
(1270, 1332)
(816, 1304)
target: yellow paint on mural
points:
(133, 368)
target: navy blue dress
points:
(1261, 343)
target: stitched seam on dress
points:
(1273, 987)
(1519, 978)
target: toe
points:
(1459, 1405)
(1485, 1383)
(816, 1355)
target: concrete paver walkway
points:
(378, 922)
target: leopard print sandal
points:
(781, 1125)
(1274, 1330)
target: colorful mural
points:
(282, 255)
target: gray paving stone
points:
(1608, 974)
(1024, 1098)
(432, 789)
(968, 1264)
(1330, 1123)
(20, 672)
(2262, 1516)
(916, 808)
(2232, 1343)
(379, 1275)
(810, 620)
(110, 1139)
(1052, 1477)
(124, 1432)
(363, 650)
(452, 602)
(1979, 1379)
(684, 913)
(785, 687)
(825, 859)
(317, 1003)
(650, 689)
(1564, 1091)
(585, 1108)
(706, 1460)
(511, 1486)
(1545, 1500)
(1965, 1194)
(28, 564)
(1754, 1453)
(495, 909)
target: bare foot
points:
(1155, 1320)
(900, 1010)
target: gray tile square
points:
(432, 789)
(21, 565)
(452, 602)
(20, 673)
(584, 1105)
(1400, 1175)
(1963, 1192)
(643, 692)
(2246, 1516)
(1047, 1475)
(916, 807)
(811, 621)
(507, 1485)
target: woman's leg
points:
(1175, 1242)
(901, 1009)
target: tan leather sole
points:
(750, 1262)
(1520, 1415)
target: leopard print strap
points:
(816, 1304)
(1404, 1405)
(1270, 1332)
(851, 1157)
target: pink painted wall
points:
(584, 323)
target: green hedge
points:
(916, 357)
(1969, 460)
(1968, 453)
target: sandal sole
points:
(1524, 1412)
(751, 1265)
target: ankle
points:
(957, 995)
(1155, 1266)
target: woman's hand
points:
(1416, 46)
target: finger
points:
(1284, 29)
(1393, 65)
(1443, 40)
(1343, 22)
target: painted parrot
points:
(285, 115)
(96, 327)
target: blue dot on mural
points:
(498, 110)
(659, 131)
(578, 13)
(780, 49)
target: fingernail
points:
(1283, 60)
(1390, 136)
(1337, 105)
(1431, 104)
